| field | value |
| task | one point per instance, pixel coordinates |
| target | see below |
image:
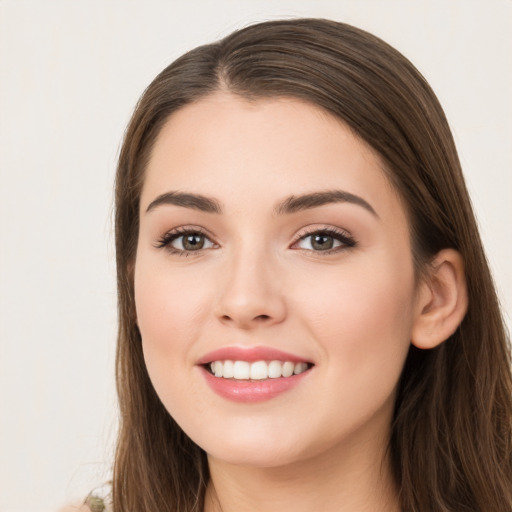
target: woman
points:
(307, 319)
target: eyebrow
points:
(290, 205)
(306, 201)
(194, 201)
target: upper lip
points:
(250, 354)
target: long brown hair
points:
(451, 438)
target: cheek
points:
(171, 309)
(170, 312)
(168, 305)
(362, 318)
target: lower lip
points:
(249, 391)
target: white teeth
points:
(218, 369)
(241, 370)
(275, 369)
(288, 369)
(259, 370)
(228, 372)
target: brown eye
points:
(192, 242)
(325, 241)
(185, 242)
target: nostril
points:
(262, 317)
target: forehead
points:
(237, 149)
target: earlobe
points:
(442, 301)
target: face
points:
(274, 283)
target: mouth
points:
(253, 374)
(257, 370)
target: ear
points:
(442, 301)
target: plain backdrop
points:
(70, 74)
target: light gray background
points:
(70, 74)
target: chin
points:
(265, 448)
(255, 457)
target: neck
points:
(356, 477)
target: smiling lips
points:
(252, 374)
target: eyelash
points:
(165, 241)
(347, 241)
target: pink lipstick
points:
(252, 374)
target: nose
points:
(251, 295)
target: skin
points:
(259, 282)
